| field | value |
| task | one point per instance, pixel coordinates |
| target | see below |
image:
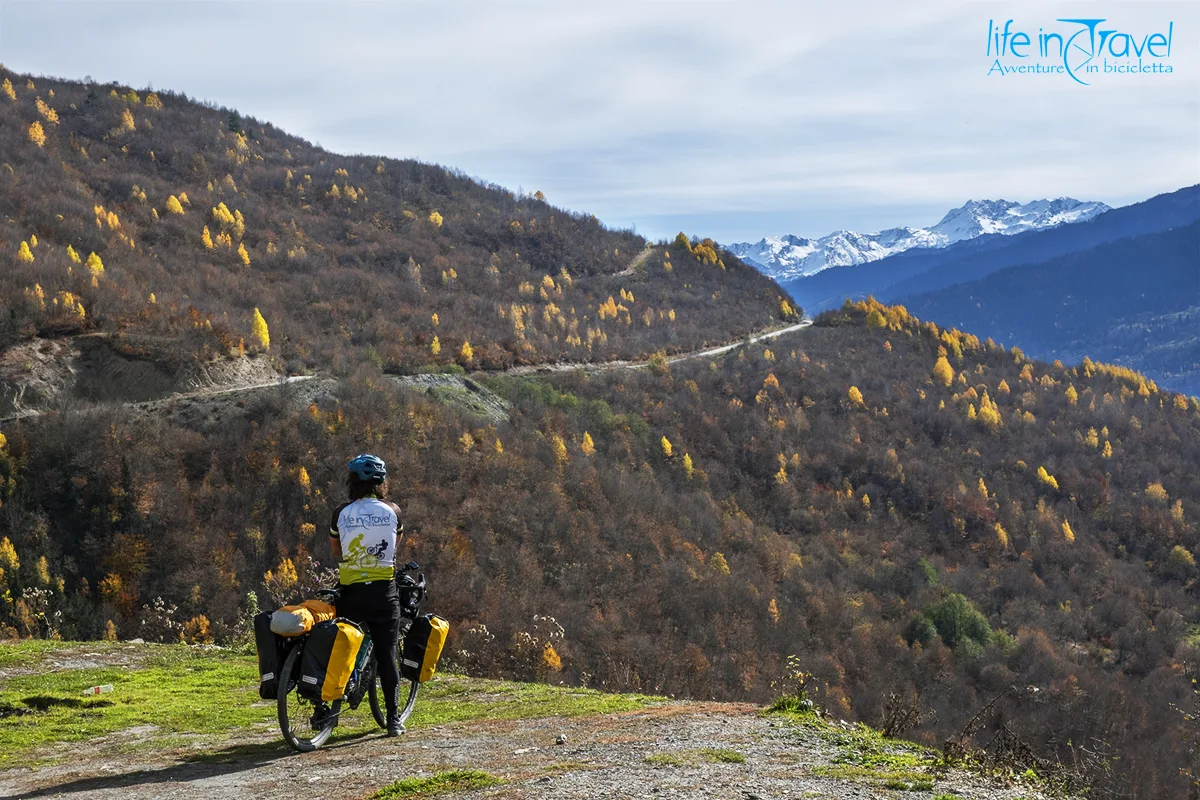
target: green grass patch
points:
(722, 756)
(457, 780)
(883, 777)
(692, 758)
(864, 754)
(189, 693)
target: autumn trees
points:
(243, 216)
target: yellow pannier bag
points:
(329, 657)
(423, 647)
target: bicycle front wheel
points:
(306, 724)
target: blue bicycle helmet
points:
(367, 467)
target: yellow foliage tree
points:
(127, 123)
(854, 396)
(243, 254)
(259, 330)
(667, 449)
(152, 101)
(989, 413)
(587, 445)
(8, 556)
(436, 347)
(95, 265)
(1068, 534)
(550, 658)
(1001, 535)
(284, 576)
(7, 89)
(1072, 395)
(24, 253)
(206, 237)
(36, 134)
(718, 564)
(1046, 478)
(48, 113)
(688, 468)
(466, 352)
(435, 218)
(110, 631)
(560, 449)
(1156, 492)
(1107, 450)
(173, 205)
(943, 373)
(71, 254)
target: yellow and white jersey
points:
(369, 530)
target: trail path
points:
(676, 750)
(423, 380)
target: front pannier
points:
(329, 658)
(422, 648)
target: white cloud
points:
(665, 113)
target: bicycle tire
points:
(377, 709)
(293, 723)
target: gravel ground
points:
(680, 750)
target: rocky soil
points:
(677, 750)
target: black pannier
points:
(272, 650)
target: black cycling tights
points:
(376, 606)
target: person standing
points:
(364, 534)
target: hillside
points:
(210, 737)
(165, 222)
(911, 526)
(1135, 301)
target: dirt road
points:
(676, 750)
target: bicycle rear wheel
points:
(305, 725)
(375, 692)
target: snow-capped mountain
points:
(788, 257)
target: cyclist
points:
(364, 534)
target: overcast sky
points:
(730, 119)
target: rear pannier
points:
(422, 648)
(329, 658)
(272, 649)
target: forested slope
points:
(910, 511)
(169, 222)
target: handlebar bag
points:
(272, 649)
(329, 657)
(423, 647)
(299, 619)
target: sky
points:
(734, 119)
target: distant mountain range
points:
(789, 257)
(1123, 287)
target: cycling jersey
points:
(368, 530)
